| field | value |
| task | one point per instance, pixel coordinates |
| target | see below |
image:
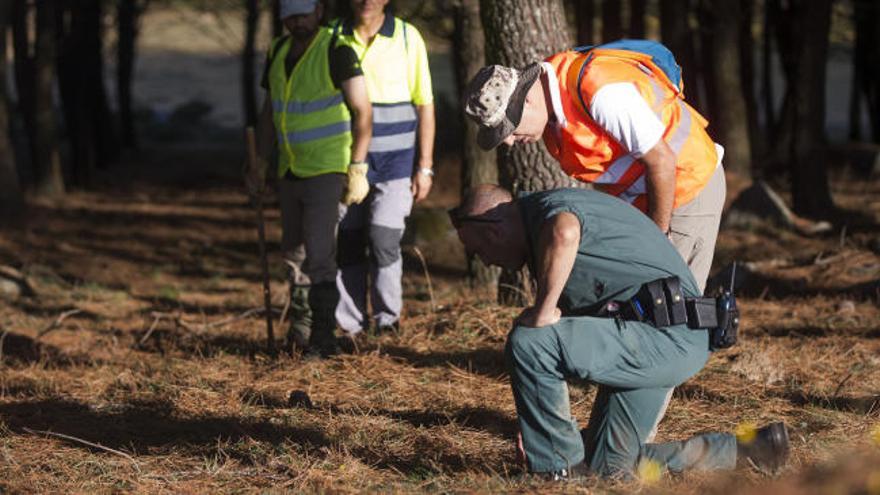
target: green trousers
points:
(635, 366)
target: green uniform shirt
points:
(620, 248)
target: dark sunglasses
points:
(457, 218)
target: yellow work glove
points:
(358, 187)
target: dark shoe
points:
(391, 329)
(766, 450)
(323, 299)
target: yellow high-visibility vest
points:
(311, 119)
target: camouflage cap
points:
(494, 100)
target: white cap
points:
(288, 8)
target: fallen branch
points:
(57, 323)
(84, 442)
(198, 328)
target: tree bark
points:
(747, 78)
(866, 72)
(767, 92)
(519, 32)
(730, 118)
(128, 12)
(804, 28)
(677, 35)
(80, 76)
(11, 200)
(584, 12)
(248, 70)
(46, 157)
(637, 18)
(478, 166)
(612, 21)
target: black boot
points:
(767, 451)
(300, 328)
(573, 473)
(323, 299)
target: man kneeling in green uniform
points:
(591, 255)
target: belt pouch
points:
(674, 301)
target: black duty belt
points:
(661, 303)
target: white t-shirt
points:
(621, 111)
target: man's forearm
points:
(659, 165)
(361, 134)
(426, 132)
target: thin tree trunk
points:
(90, 128)
(805, 26)
(248, 70)
(747, 78)
(519, 32)
(612, 21)
(637, 18)
(478, 166)
(11, 200)
(730, 116)
(46, 157)
(585, 11)
(866, 78)
(277, 26)
(128, 12)
(767, 92)
(677, 35)
(706, 58)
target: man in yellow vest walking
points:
(318, 113)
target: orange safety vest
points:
(589, 154)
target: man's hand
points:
(421, 185)
(534, 317)
(255, 177)
(358, 187)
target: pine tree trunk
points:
(11, 200)
(584, 12)
(678, 36)
(866, 62)
(805, 26)
(637, 18)
(127, 29)
(767, 92)
(747, 78)
(248, 70)
(730, 118)
(46, 157)
(519, 32)
(478, 166)
(612, 21)
(90, 128)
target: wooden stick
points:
(84, 442)
(261, 233)
(57, 323)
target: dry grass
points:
(195, 406)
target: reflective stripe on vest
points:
(588, 153)
(311, 119)
(394, 127)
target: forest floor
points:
(138, 363)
